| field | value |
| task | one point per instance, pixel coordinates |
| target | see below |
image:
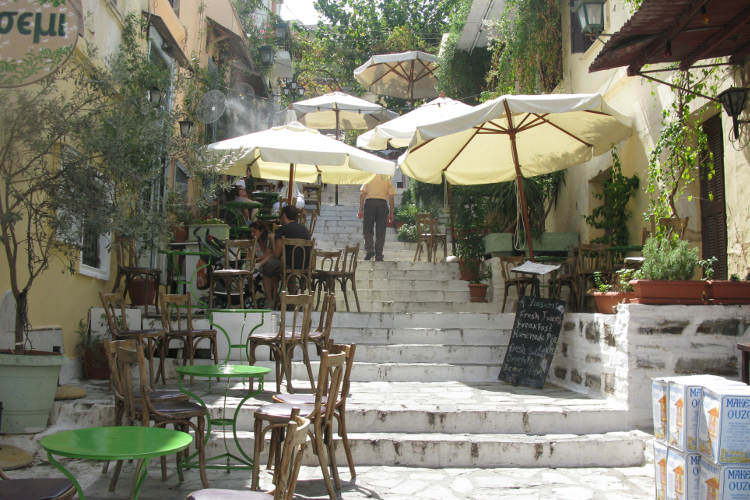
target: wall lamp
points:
(155, 96)
(733, 100)
(266, 55)
(590, 14)
(186, 126)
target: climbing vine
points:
(526, 49)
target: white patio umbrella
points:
(341, 111)
(398, 132)
(295, 152)
(512, 137)
(408, 75)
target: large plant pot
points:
(669, 291)
(179, 233)
(478, 292)
(27, 390)
(606, 302)
(729, 292)
(142, 292)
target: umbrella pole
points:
(519, 179)
(291, 183)
(336, 188)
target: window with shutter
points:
(713, 210)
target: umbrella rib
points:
(391, 69)
(447, 166)
(565, 131)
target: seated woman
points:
(263, 253)
(298, 199)
(241, 196)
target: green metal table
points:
(248, 372)
(243, 344)
(114, 443)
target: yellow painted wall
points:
(642, 101)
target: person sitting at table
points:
(263, 252)
(241, 196)
(271, 270)
(298, 199)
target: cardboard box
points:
(684, 408)
(724, 482)
(683, 473)
(724, 425)
(660, 469)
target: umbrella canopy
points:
(341, 111)
(296, 152)
(514, 136)
(397, 133)
(408, 75)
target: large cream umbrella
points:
(398, 132)
(408, 75)
(512, 137)
(295, 152)
(341, 111)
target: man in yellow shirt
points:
(376, 206)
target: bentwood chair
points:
(152, 339)
(321, 335)
(274, 416)
(120, 398)
(284, 476)
(424, 239)
(177, 320)
(519, 282)
(294, 327)
(340, 408)
(296, 275)
(239, 262)
(36, 488)
(348, 274)
(324, 272)
(178, 413)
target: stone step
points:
(409, 296)
(435, 307)
(420, 336)
(426, 353)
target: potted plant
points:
(731, 291)
(470, 223)
(608, 295)
(477, 286)
(665, 276)
(93, 355)
(180, 216)
(405, 214)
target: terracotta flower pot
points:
(669, 291)
(179, 233)
(729, 292)
(478, 292)
(606, 302)
(95, 362)
(466, 272)
(141, 292)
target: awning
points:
(684, 31)
(176, 51)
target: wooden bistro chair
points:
(339, 412)
(325, 267)
(36, 488)
(178, 413)
(291, 334)
(424, 240)
(274, 416)
(120, 399)
(284, 476)
(239, 262)
(592, 258)
(127, 267)
(177, 320)
(117, 322)
(437, 238)
(311, 222)
(297, 277)
(566, 276)
(348, 274)
(321, 335)
(510, 279)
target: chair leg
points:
(306, 360)
(341, 416)
(332, 456)
(322, 459)
(342, 282)
(201, 444)
(505, 299)
(354, 290)
(257, 448)
(115, 476)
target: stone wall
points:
(617, 356)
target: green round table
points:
(114, 443)
(226, 371)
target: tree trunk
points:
(21, 315)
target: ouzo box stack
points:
(724, 424)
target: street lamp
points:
(266, 55)
(733, 101)
(291, 89)
(591, 16)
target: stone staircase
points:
(424, 386)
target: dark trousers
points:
(375, 214)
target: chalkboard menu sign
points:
(532, 343)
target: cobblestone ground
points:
(632, 483)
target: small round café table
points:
(114, 443)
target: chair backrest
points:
(508, 262)
(326, 317)
(131, 361)
(310, 225)
(592, 257)
(240, 254)
(175, 310)
(285, 476)
(330, 378)
(298, 308)
(349, 262)
(115, 382)
(424, 222)
(349, 350)
(126, 256)
(326, 260)
(298, 253)
(114, 311)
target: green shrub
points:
(668, 259)
(407, 233)
(406, 213)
